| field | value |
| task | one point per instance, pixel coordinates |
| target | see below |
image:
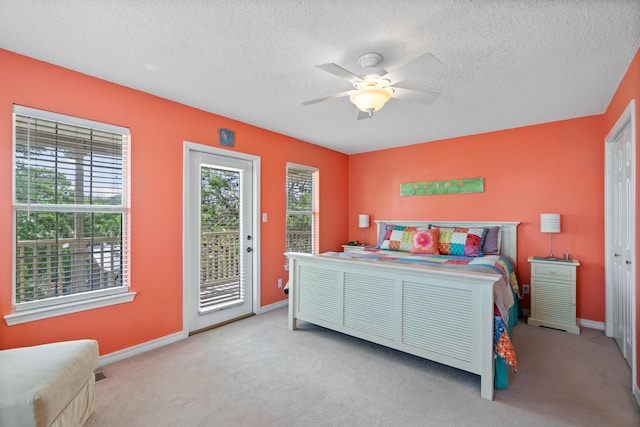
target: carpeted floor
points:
(255, 372)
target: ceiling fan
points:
(373, 86)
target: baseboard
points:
(636, 393)
(141, 348)
(591, 324)
(274, 306)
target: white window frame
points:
(72, 303)
(314, 203)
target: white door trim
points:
(628, 116)
(192, 146)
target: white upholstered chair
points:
(48, 384)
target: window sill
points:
(32, 315)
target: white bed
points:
(391, 304)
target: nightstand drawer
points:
(559, 271)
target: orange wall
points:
(629, 89)
(554, 167)
(158, 129)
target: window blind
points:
(70, 207)
(301, 212)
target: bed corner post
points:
(292, 323)
(487, 380)
(486, 387)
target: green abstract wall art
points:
(447, 186)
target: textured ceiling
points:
(506, 63)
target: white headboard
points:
(508, 231)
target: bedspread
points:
(504, 294)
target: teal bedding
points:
(501, 371)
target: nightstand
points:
(347, 248)
(553, 294)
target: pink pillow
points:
(425, 241)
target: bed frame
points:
(444, 316)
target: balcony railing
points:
(50, 268)
(300, 241)
(220, 264)
(219, 267)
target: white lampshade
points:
(550, 223)
(363, 221)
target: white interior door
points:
(219, 253)
(622, 226)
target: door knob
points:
(249, 249)
(627, 262)
(616, 255)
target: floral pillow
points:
(461, 241)
(425, 241)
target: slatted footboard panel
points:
(369, 305)
(319, 293)
(428, 323)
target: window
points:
(70, 209)
(302, 209)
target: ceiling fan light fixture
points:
(371, 98)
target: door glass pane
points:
(219, 237)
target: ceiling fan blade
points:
(326, 98)
(411, 95)
(420, 65)
(337, 70)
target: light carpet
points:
(255, 372)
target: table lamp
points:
(363, 222)
(550, 223)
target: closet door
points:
(622, 240)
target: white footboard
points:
(442, 316)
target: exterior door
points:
(622, 229)
(219, 240)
